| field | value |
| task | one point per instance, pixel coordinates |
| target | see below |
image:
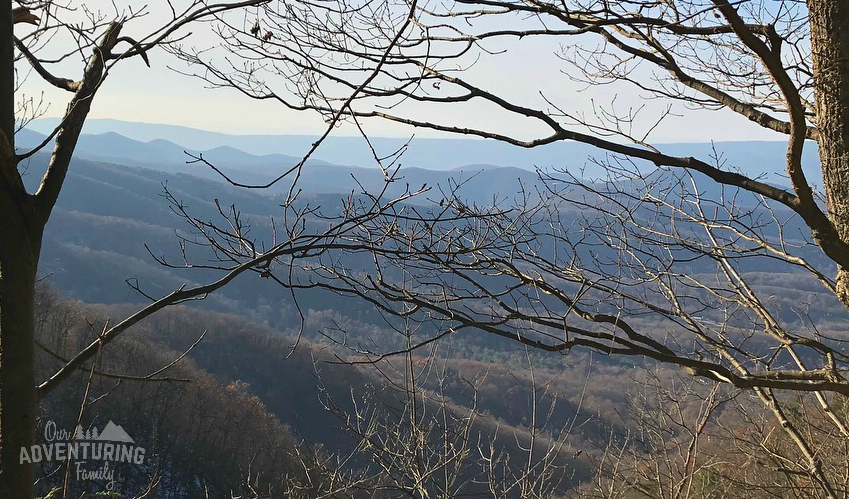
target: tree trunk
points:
(19, 250)
(830, 53)
(20, 245)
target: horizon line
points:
(449, 136)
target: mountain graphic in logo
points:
(114, 433)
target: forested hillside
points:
(589, 249)
(288, 367)
(244, 409)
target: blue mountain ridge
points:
(758, 159)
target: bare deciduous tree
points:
(416, 437)
(659, 259)
(96, 40)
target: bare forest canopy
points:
(542, 302)
(112, 216)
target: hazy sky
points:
(135, 92)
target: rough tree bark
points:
(20, 244)
(830, 54)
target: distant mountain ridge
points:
(165, 155)
(318, 177)
(761, 159)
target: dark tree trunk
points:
(830, 50)
(20, 244)
(19, 250)
(22, 220)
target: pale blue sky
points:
(135, 92)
